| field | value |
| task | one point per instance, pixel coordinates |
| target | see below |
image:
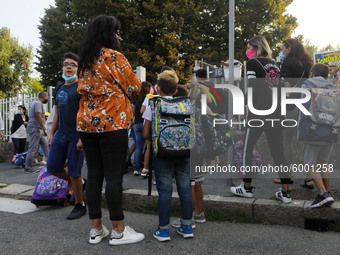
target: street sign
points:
(218, 72)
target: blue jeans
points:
(139, 146)
(165, 169)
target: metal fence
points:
(8, 108)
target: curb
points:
(259, 210)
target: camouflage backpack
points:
(172, 126)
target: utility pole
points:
(231, 78)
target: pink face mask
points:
(250, 53)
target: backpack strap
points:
(309, 84)
(56, 89)
(261, 64)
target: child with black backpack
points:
(316, 154)
(166, 165)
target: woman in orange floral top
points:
(107, 84)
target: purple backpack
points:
(238, 155)
(50, 190)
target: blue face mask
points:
(69, 79)
(281, 56)
(19, 112)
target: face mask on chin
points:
(69, 79)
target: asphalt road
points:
(47, 231)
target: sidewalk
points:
(218, 199)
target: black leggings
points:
(105, 156)
(275, 143)
(19, 145)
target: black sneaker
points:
(78, 211)
(322, 200)
(31, 170)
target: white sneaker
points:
(42, 163)
(136, 173)
(284, 196)
(128, 236)
(241, 191)
(97, 235)
(144, 172)
(177, 223)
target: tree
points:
(162, 32)
(33, 86)
(15, 63)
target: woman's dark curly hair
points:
(298, 51)
(102, 31)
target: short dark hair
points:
(201, 73)
(320, 69)
(42, 94)
(167, 82)
(22, 106)
(71, 55)
(182, 90)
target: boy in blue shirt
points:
(166, 168)
(64, 138)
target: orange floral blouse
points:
(106, 93)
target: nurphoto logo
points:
(239, 103)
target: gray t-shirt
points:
(37, 106)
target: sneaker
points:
(185, 232)
(199, 218)
(162, 235)
(177, 223)
(242, 191)
(284, 196)
(78, 211)
(128, 236)
(136, 173)
(43, 163)
(144, 172)
(35, 161)
(322, 200)
(97, 235)
(31, 170)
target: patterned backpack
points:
(323, 126)
(172, 126)
(211, 141)
(50, 190)
(238, 155)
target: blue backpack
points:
(323, 126)
(19, 159)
